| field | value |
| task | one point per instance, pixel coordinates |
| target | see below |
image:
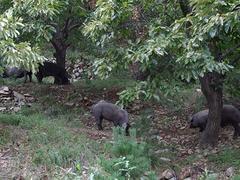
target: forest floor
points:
(58, 137)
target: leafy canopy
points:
(173, 47)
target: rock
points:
(3, 108)
(18, 96)
(161, 151)
(230, 172)
(165, 159)
(69, 104)
(27, 95)
(5, 88)
(191, 172)
(16, 109)
(168, 174)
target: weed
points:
(226, 158)
(4, 136)
(11, 119)
(128, 158)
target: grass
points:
(226, 158)
(4, 136)
(98, 84)
(50, 142)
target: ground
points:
(59, 125)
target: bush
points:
(11, 119)
(127, 158)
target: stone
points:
(69, 104)
(230, 172)
(18, 96)
(5, 88)
(16, 109)
(165, 159)
(168, 174)
(3, 108)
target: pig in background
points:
(16, 72)
(111, 112)
(52, 69)
(230, 116)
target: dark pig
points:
(17, 73)
(52, 69)
(111, 112)
(230, 116)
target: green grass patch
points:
(226, 158)
(51, 143)
(127, 158)
(11, 119)
(111, 82)
(4, 136)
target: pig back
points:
(230, 114)
(109, 111)
(14, 72)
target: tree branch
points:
(229, 51)
(184, 5)
(74, 26)
(234, 62)
(66, 24)
(55, 25)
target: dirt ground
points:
(166, 128)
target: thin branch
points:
(74, 26)
(229, 51)
(67, 22)
(55, 25)
(234, 62)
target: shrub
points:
(127, 158)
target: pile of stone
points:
(13, 101)
(81, 69)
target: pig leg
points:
(39, 77)
(25, 76)
(236, 130)
(30, 76)
(99, 122)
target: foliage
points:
(128, 158)
(15, 50)
(173, 48)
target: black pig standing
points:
(111, 112)
(17, 73)
(230, 116)
(52, 69)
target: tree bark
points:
(60, 38)
(59, 43)
(60, 56)
(211, 85)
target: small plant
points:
(11, 119)
(207, 175)
(127, 157)
(124, 167)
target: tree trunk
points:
(60, 47)
(60, 55)
(211, 85)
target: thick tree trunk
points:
(211, 85)
(60, 55)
